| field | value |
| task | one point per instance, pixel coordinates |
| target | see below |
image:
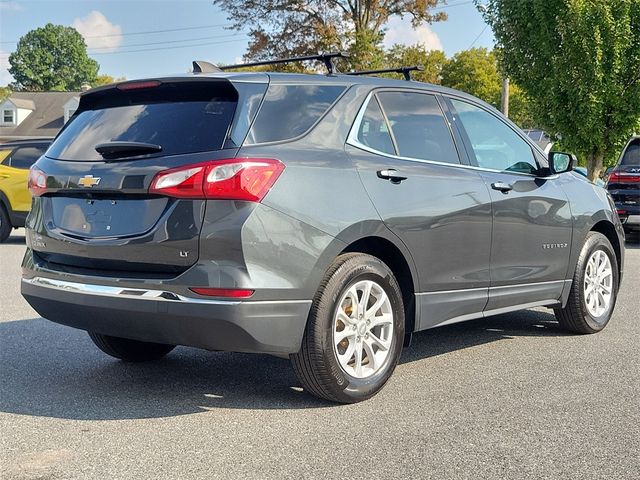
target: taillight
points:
(223, 292)
(237, 179)
(618, 177)
(37, 181)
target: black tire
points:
(316, 364)
(130, 350)
(5, 224)
(575, 316)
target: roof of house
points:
(46, 119)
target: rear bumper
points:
(165, 317)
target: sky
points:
(142, 38)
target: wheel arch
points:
(396, 260)
(608, 229)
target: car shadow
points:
(14, 240)
(54, 371)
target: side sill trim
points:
(137, 293)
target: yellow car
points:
(15, 200)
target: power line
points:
(149, 31)
(478, 37)
(168, 48)
(167, 41)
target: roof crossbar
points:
(326, 58)
(406, 71)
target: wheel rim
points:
(598, 283)
(363, 329)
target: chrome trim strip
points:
(518, 285)
(352, 139)
(137, 293)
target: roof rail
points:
(326, 58)
(406, 71)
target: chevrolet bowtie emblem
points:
(89, 181)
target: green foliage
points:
(106, 80)
(579, 63)
(474, 71)
(284, 28)
(433, 61)
(52, 57)
(4, 93)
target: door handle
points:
(391, 174)
(502, 187)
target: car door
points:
(532, 221)
(403, 148)
(14, 173)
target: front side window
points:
(373, 131)
(419, 127)
(494, 144)
(7, 116)
(291, 110)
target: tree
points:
(474, 71)
(433, 61)
(282, 28)
(106, 80)
(52, 57)
(579, 63)
(4, 93)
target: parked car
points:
(623, 182)
(584, 172)
(322, 218)
(15, 200)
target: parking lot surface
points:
(505, 397)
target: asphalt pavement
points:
(507, 397)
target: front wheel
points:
(594, 288)
(354, 333)
(5, 224)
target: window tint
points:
(180, 117)
(632, 155)
(290, 110)
(26, 156)
(418, 126)
(494, 144)
(373, 131)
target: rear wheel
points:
(594, 288)
(5, 224)
(130, 350)
(354, 333)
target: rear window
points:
(631, 156)
(291, 110)
(185, 117)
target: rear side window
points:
(290, 110)
(180, 117)
(26, 156)
(419, 126)
(373, 131)
(631, 157)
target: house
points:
(25, 115)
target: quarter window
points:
(494, 144)
(419, 127)
(373, 131)
(26, 156)
(290, 110)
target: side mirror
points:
(560, 162)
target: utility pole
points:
(504, 102)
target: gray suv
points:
(323, 218)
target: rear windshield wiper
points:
(126, 149)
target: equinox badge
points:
(89, 181)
